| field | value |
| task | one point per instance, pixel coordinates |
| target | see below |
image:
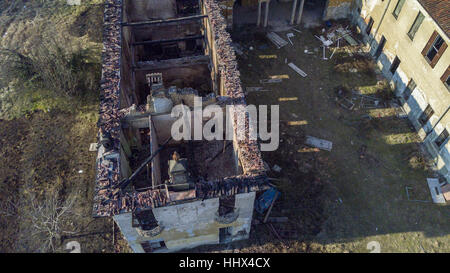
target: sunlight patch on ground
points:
(297, 122)
(403, 138)
(288, 99)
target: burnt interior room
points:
(178, 164)
(165, 37)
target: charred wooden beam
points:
(165, 64)
(168, 21)
(168, 40)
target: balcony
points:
(227, 218)
(151, 232)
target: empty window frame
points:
(416, 25)
(398, 8)
(441, 139)
(434, 49)
(426, 115)
(226, 205)
(432, 52)
(369, 26)
(395, 65)
(409, 89)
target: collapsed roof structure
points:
(166, 195)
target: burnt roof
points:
(440, 11)
(109, 198)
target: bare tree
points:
(47, 220)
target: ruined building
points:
(409, 40)
(168, 195)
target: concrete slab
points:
(435, 191)
(319, 143)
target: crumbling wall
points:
(337, 9)
(191, 224)
(142, 10)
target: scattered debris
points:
(265, 200)
(265, 81)
(277, 40)
(298, 70)
(324, 41)
(255, 89)
(238, 49)
(93, 147)
(268, 56)
(289, 36)
(319, 143)
(271, 206)
(276, 168)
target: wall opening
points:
(225, 234)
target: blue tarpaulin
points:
(264, 201)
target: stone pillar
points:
(266, 18)
(294, 7)
(259, 13)
(300, 12)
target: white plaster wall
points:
(191, 224)
(430, 89)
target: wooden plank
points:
(435, 190)
(298, 70)
(271, 206)
(168, 21)
(276, 40)
(179, 62)
(168, 40)
(319, 143)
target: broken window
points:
(426, 115)
(226, 205)
(369, 26)
(440, 140)
(434, 49)
(409, 89)
(145, 220)
(398, 8)
(395, 65)
(415, 26)
(152, 246)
